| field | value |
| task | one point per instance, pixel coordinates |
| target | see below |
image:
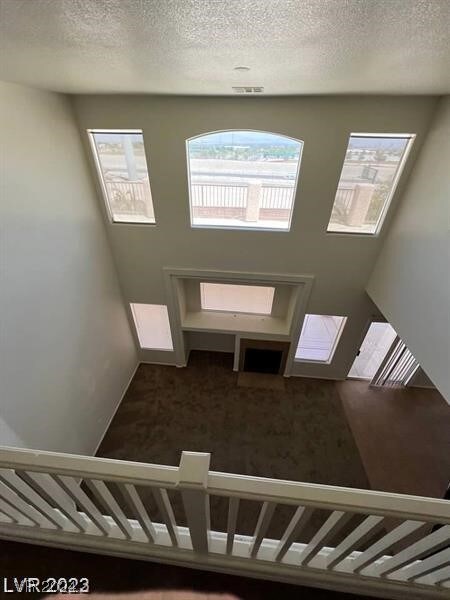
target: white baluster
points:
(233, 508)
(51, 491)
(379, 548)
(432, 542)
(262, 525)
(12, 515)
(428, 565)
(11, 498)
(335, 522)
(76, 493)
(165, 510)
(440, 576)
(135, 503)
(293, 530)
(358, 536)
(109, 503)
(29, 495)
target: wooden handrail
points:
(329, 497)
(232, 485)
(85, 466)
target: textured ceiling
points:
(192, 46)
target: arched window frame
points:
(259, 224)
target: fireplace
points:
(263, 356)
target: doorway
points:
(379, 339)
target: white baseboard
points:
(154, 362)
(116, 408)
(316, 377)
(421, 387)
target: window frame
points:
(387, 203)
(101, 180)
(336, 341)
(236, 312)
(135, 319)
(244, 228)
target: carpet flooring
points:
(299, 433)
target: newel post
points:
(193, 479)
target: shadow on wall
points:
(8, 436)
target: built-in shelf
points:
(221, 322)
(188, 313)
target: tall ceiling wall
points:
(411, 281)
(66, 348)
(341, 263)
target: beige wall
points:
(411, 279)
(66, 351)
(340, 263)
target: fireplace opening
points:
(258, 360)
(263, 356)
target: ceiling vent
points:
(248, 89)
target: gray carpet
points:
(300, 433)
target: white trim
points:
(317, 377)
(223, 275)
(237, 351)
(163, 364)
(298, 319)
(398, 173)
(95, 130)
(297, 493)
(116, 408)
(139, 332)
(384, 135)
(100, 178)
(334, 346)
(147, 349)
(247, 229)
(421, 387)
(174, 310)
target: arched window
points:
(243, 179)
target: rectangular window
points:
(122, 168)
(319, 338)
(253, 299)
(372, 167)
(152, 326)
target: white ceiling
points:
(192, 46)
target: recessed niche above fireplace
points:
(267, 307)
